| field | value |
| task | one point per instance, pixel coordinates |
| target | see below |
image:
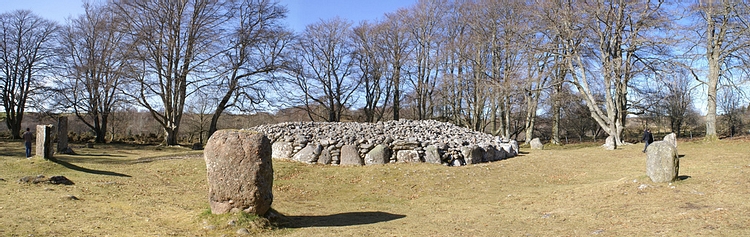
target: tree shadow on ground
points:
(341, 219)
(87, 170)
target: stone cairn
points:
(351, 143)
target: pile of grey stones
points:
(411, 141)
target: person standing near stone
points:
(648, 138)
(28, 137)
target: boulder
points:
(408, 156)
(240, 172)
(609, 144)
(493, 154)
(325, 157)
(350, 156)
(379, 155)
(508, 150)
(309, 154)
(671, 139)
(662, 163)
(514, 144)
(432, 155)
(536, 144)
(282, 150)
(472, 154)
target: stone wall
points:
(351, 143)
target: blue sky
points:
(301, 12)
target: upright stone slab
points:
(508, 150)
(516, 149)
(671, 139)
(472, 154)
(44, 141)
(325, 157)
(432, 155)
(62, 135)
(609, 144)
(240, 172)
(536, 144)
(662, 163)
(350, 156)
(379, 155)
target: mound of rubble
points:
(351, 143)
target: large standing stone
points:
(432, 155)
(309, 154)
(671, 139)
(62, 135)
(282, 150)
(609, 144)
(536, 144)
(493, 154)
(44, 141)
(662, 164)
(350, 156)
(472, 154)
(508, 150)
(381, 154)
(240, 172)
(516, 149)
(325, 157)
(408, 156)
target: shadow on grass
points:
(341, 219)
(683, 177)
(92, 159)
(87, 170)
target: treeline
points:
(551, 69)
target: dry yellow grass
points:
(565, 192)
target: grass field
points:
(146, 191)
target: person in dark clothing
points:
(648, 138)
(28, 137)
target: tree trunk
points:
(713, 81)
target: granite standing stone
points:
(377, 156)
(662, 163)
(325, 157)
(62, 135)
(671, 139)
(609, 144)
(536, 144)
(350, 156)
(240, 172)
(432, 155)
(44, 141)
(472, 154)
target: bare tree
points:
(26, 45)
(678, 99)
(322, 68)
(371, 65)
(255, 43)
(730, 102)
(618, 36)
(395, 45)
(92, 57)
(425, 22)
(726, 37)
(173, 40)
